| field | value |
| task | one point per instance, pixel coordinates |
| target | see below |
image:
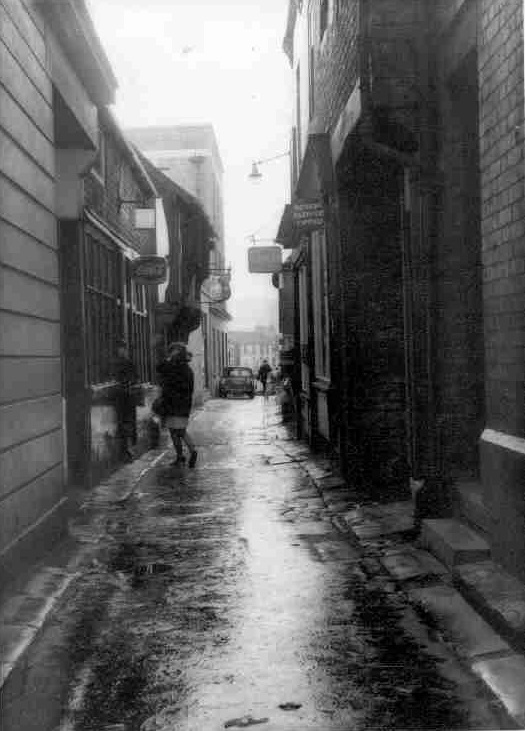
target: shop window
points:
(102, 302)
(320, 306)
(115, 304)
(138, 326)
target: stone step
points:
(497, 595)
(453, 542)
(471, 507)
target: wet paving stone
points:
(224, 597)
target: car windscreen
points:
(238, 373)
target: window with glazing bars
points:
(102, 302)
(138, 327)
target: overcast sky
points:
(180, 61)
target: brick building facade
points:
(408, 126)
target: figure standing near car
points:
(177, 382)
(264, 371)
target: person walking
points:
(177, 382)
(264, 371)
(126, 377)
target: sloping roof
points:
(106, 116)
(166, 187)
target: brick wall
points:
(457, 277)
(336, 65)
(503, 212)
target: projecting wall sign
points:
(264, 259)
(308, 215)
(149, 269)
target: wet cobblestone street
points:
(224, 597)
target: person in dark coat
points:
(177, 381)
(125, 376)
(264, 372)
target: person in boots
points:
(176, 381)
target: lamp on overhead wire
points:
(256, 173)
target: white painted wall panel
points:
(25, 336)
(23, 252)
(22, 509)
(18, 46)
(46, 416)
(15, 121)
(19, 210)
(27, 26)
(20, 293)
(26, 378)
(31, 99)
(24, 463)
(22, 170)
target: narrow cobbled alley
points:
(225, 597)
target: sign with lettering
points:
(144, 218)
(308, 215)
(149, 269)
(264, 259)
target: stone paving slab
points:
(24, 610)
(374, 521)
(14, 639)
(453, 542)
(496, 590)
(458, 621)
(331, 482)
(47, 582)
(506, 678)
(409, 562)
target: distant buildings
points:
(249, 348)
(189, 155)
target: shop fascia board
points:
(70, 22)
(74, 95)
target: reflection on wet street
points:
(225, 598)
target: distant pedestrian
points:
(264, 371)
(126, 378)
(177, 382)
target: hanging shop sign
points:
(218, 288)
(264, 259)
(144, 218)
(149, 270)
(308, 215)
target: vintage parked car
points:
(237, 380)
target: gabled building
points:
(189, 155)
(191, 237)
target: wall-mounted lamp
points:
(256, 173)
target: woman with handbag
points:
(176, 381)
